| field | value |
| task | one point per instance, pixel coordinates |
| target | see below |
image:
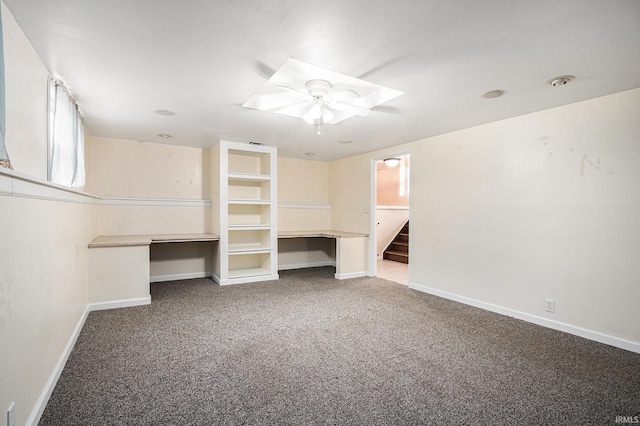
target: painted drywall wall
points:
(392, 187)
(26, 101)
(43, 291)
(303, 195)
(43, 255)
(129, 169)
(302, 181)
(157, 218)
(542, 206)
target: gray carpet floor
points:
(312, 350)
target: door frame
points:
(373, 207)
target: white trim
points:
(18, 184)
(352, 275)
(544, 322)
(291, 205)
(175, 277)
(306, 265)
(248, 279)
(125, 303)
(392, 207)
(42, 401)
(112, 201)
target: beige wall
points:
(303, 195)
(158, 218)
(129, 169)
(303, 181)
(389, 182)
(511, 213)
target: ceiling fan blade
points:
(343, 95)
(287, 107)
(294, 92)
(351, 109)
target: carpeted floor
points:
(309, 349)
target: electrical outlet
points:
(549, 305)
(11, 414)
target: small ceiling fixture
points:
(492, 94)
(309, 154)
(391, 161)
(165, 112)
(165, 136)
(561, 81)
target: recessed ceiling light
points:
(165, 112)
(492, 94)
(309, 154)
(165, 136)
(344, 142)
(561, 81)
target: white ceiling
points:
(203, 59)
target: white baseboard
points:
(175, 277)
(126, 303)
(306, 265)
(544, 322)
(41, 404)
(245, 280)
(352, 275)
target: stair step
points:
(396, 257)
(398, 248)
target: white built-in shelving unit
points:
(248, 246)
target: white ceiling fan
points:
(317, 95)
(321, 105)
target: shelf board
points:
(249, 177)
(250, 202)
(248, 249)
(249, 227)
(252, 272)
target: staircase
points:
(398, 250)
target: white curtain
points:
(66, 138)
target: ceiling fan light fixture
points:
(314, 113)
(391, 161)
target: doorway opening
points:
(391, 208)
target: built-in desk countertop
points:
(145, 240)
(316, 234)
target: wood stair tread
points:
(397, 253)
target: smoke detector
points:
(561, 81)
